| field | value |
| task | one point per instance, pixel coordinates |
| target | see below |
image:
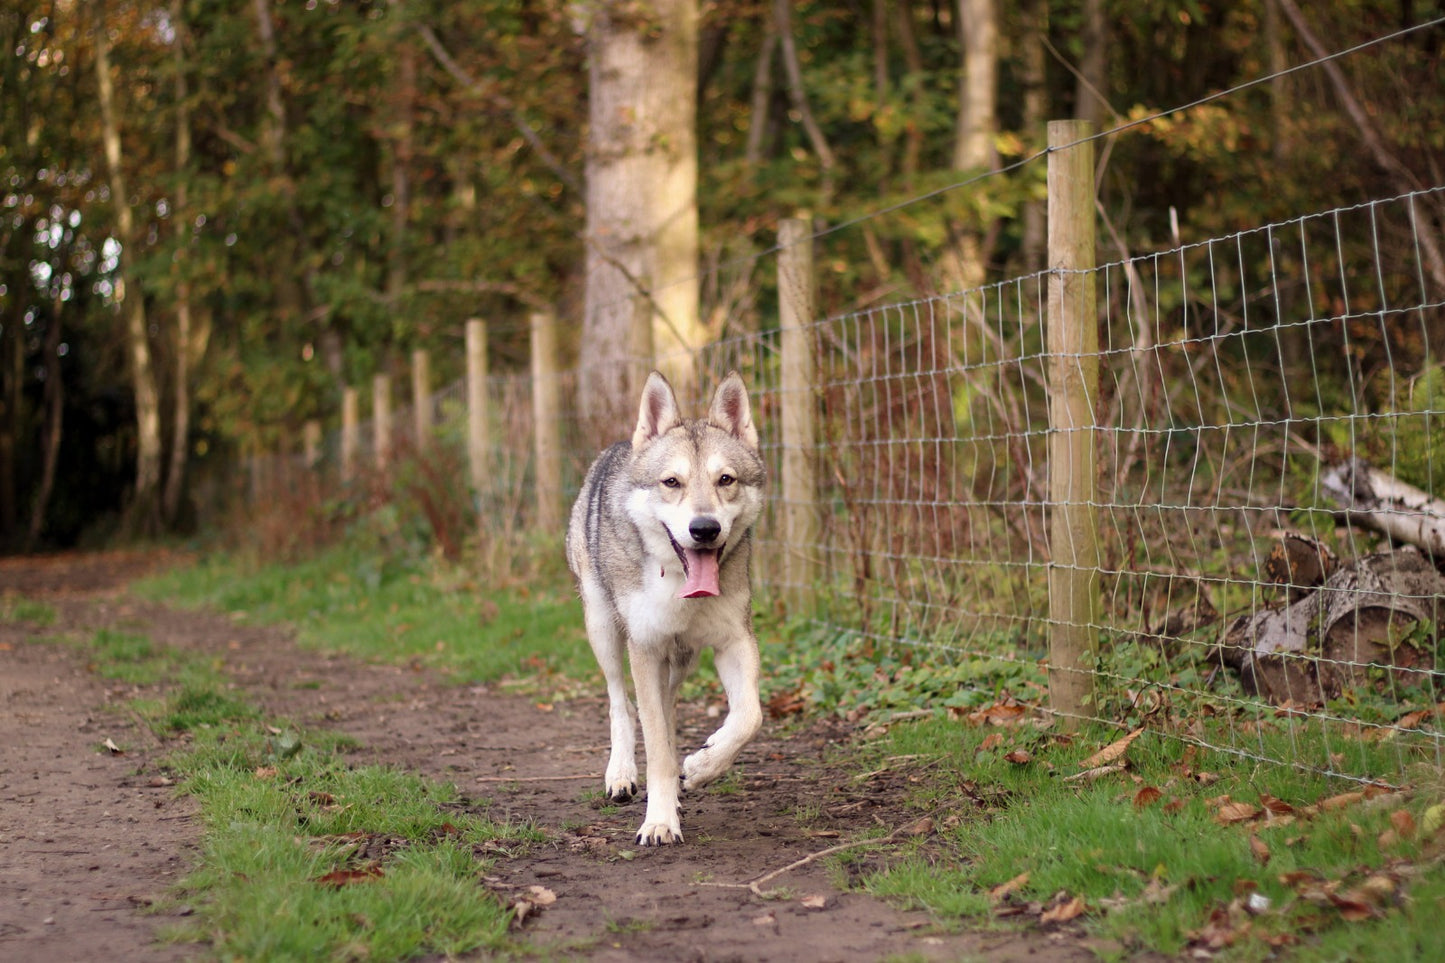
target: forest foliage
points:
(326, 186)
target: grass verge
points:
(1162, 846)
(304, 856)
(427, 612)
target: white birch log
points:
(1380, 501)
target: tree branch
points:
(525, 129)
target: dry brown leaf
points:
(541, 895)
(1146, 796)
(1089, 775)
(114, 749)
(767, 919)
(1063, 911)
(1004, 890)
(1019, 757)
(815, 901)
(991, 742)
(1342, 800)
(1236, 812)
(265, 772)
(1110, 752)
(1260, 849)
(1404, 822)
(345, 877)
(1275, 805)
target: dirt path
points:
(90, 839)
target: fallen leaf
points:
(1004, 890)
(998, 714)
(1110, 752)
(1404, 822)
(1146, 796)
(1089, 775)
(991, 742)
(345, 877)
(114, 749)
(1342, 800)
(1274, 805)
(1063, 911)
(919, 827)
(1019, 757)
(1434, 819)
(1260, 849)
(265, 772)
(541, 895)
(1236, 812)
(767, 919)
(815, 901)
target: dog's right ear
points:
(658, 413)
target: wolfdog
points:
(659, 542)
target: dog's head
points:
(698, 482)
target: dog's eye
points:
(670, 482)
(725, 480)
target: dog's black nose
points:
(704, 529)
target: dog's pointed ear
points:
(658, 412)
(731, 412)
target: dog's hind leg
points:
(608, 645)
(737, 667)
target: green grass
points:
(14, 608)
(1153, 874)
(345, 602)
(304, 855)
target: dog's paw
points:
(659, 833)
(700, 768)
(622, 792)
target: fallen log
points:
(1373, 623)
(1380, 501)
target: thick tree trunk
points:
(642, 285)
(144, 508)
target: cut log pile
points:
(1373, 621)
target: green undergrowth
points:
(304, 854)
(1166, 848)
(425, 612)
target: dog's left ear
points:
(731, 412)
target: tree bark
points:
(1033, 76)
(973, 146)
(144, 508)
(54, 426)
(184, 348)
(642, 284)
(1090, 102)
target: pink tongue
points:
(701, 574)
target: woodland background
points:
(214, 215)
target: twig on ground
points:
(584, 775)
(755, 885)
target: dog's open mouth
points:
(699, 569)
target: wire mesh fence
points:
(1259, 397)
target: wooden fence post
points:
(796, 309)
(311, 444)
(421, 407)
(350, 431)
(1072, 343)
(381, 419)
(546, 408)
(479, 442)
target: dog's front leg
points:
(650, 681)
(737, 667)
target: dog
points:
(659, 542)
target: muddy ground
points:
(90, 840)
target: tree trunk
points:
(1089, 96)
(973, 145)
(183, 347)
(144, 508)
(642, 241)
(1034, 78)
(54, 426)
